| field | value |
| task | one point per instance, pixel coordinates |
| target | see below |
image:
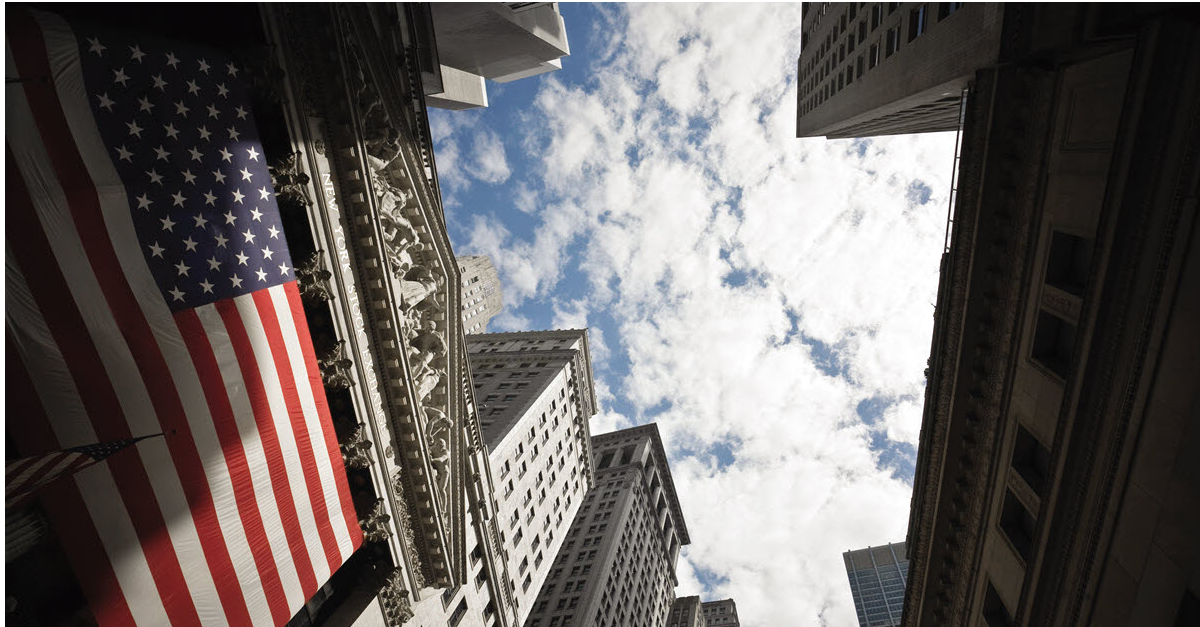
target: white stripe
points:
(287, 439)
(256, 457)
(115, 205)
(56, 389)
(291, 339)
(140, 417)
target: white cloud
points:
(672, 182)
(490, 162)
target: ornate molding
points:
(313, 278)
(336, 368)
(356, 450)
(290, 182)
(396, 599)
(376, 527)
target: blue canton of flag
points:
(181, 134)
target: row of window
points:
(814, 87)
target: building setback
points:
(617, 567)
(877, 578)
(885, 68)
(482, 298)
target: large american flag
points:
(149, 289)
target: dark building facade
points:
(886, 68)
(1058, 470)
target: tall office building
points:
(482, 298)
(617, 567)
(885, 68)
(1057, 479)
(877, 578)
(686, 612)
(535, 394)
(721, 613)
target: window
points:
(893, 41)
(946, 9)
(1053, 343)
(459, 611)
(858, 66)
(862, 30)
(873, 57)
(892, 6)
(876, 15)
(1068, 262)
(994, 612)
(1030, 459)
(917, 20)
(1018, 525)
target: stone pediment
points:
(394, 285)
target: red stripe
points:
(308, 461)
(50, 292)
(62, 502)
(29, 54)
(205, 360)
(318, 388)
(270, 440)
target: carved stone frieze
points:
(356, 451)
(313, 278)
(405, 526)
(336, 368)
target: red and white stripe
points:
(242, 511)
(23, 477)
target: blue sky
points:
(766, 300)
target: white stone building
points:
(617, 567)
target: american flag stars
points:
(169, 120)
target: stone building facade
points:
(482, 298)
(878, 576)
(885, 68)
(1057, 476)
(685, 612)
(617, 566)
(721, 613)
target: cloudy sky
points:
(766, 300)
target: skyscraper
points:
(877, 578)
(884, 68)
(535, 396)
(721, 613)
(482, 298)
(617, 567)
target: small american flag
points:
(149, 289)
(23, 478)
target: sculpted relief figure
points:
(437, 434)
(418, 284)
